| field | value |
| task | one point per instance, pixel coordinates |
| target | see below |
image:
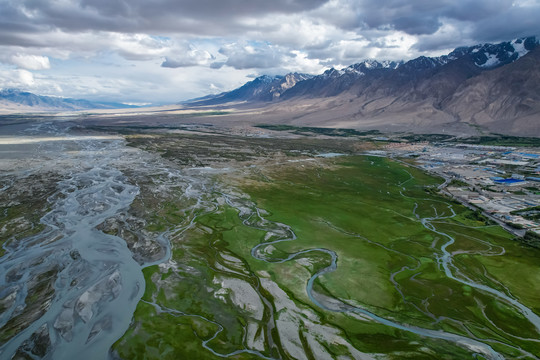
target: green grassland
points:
(380, 235)
(502, 140)
(304, 130)
(365, 209)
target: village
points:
(501, 181)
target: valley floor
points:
(274, 247)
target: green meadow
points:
(368, 211)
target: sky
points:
(166, 51)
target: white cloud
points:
(244, 55)
(31, 62)
(20, 79)
(187, 55)
(111, 48)
(525, 3)
(25, 77)
(115, 79)
(301, 63)
(138, 46)
(297, 31)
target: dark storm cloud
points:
(486, 19)
(198, 9)
(183, 16)
(472, 20)
(514, 23)
(323, 30)
(501, 22)
(419, 17)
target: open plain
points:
(191, 240)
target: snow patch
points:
(491, 61)
(519, 48)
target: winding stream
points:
(97, 283)
(446, 262)
(477, 346)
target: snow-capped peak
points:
(492, 55)
(388, 64)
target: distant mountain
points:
(390, 77)
(333, 82)
(507, 97)
(491, 86)
(489, 56)
(263, 88)
(21, 99)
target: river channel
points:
(475, 345)
(97, 283)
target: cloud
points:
(136, 16)
(138, 46)
(26, 78)
(128, 27)
(300, 62)
(436, 25)
(31, 62)
(415, 17)
(518, 20)
(450, 35)
(187, 56)
(253, 55)
(22, 79)
(132, 49)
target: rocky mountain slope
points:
(263, 88)
(492, 87)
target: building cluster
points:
(504, 182)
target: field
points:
(251, 270)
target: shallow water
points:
(98, 283)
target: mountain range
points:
(26, 101)
(471, 90)
(264, 88)
(495, 87)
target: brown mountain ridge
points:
(484, 88)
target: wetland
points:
(129, 242)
